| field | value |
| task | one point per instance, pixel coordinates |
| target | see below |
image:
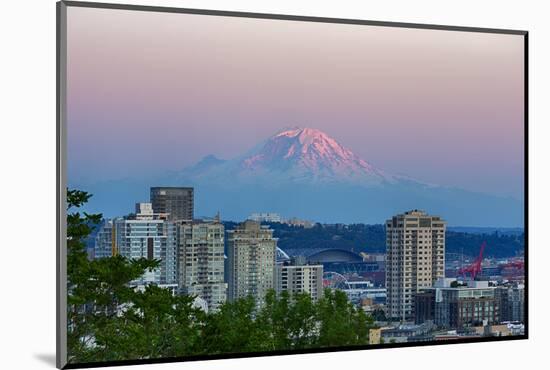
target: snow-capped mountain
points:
(298, 155)
(305, 173)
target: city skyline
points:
(413, 239)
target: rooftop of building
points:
(172, 187)
(216, 220)
(250, 225)
(416, 213)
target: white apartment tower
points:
(201, 245)
(299, 277)
(251, 261)
(143, 235)
(415, 259)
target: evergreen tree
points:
(341, 324)
(302, 321)
(273, 322)
(99, 293)
(231, 329)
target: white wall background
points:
(27, 152)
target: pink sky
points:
(158, 91)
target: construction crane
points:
(475, 268)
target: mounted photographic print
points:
(237, 184)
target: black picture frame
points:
(61, 321)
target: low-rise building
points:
(375, 335)
(265, 217)
(501, 330)
(357, 290)
(296, 276)
(512, 302)
(458, 307)
(408, 333)
(298, 222)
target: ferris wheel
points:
(335, 280)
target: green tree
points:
(302, 321)
(362, 324)
(231, 329)
(273, 322)
(98, 292)
(341, 324)
(161, 325)
(334, 315)
(287, 321)
(379, 315)
(79, 332)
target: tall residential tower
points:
(201, 245)
(177, 202)
(144, 235)
(415, 259)
(251, 261)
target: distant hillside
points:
(487, 230)
(371, 238)
(499, 245)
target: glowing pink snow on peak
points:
(313, 140)
(310, 150)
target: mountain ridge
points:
(297, 154)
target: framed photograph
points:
(238, 184)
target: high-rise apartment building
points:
(201, 246)
(145, 235)
(177, 202)
(415, 259)
(296, 276)
(251, 261)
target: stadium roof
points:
(325, 255)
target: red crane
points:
(475, 267)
